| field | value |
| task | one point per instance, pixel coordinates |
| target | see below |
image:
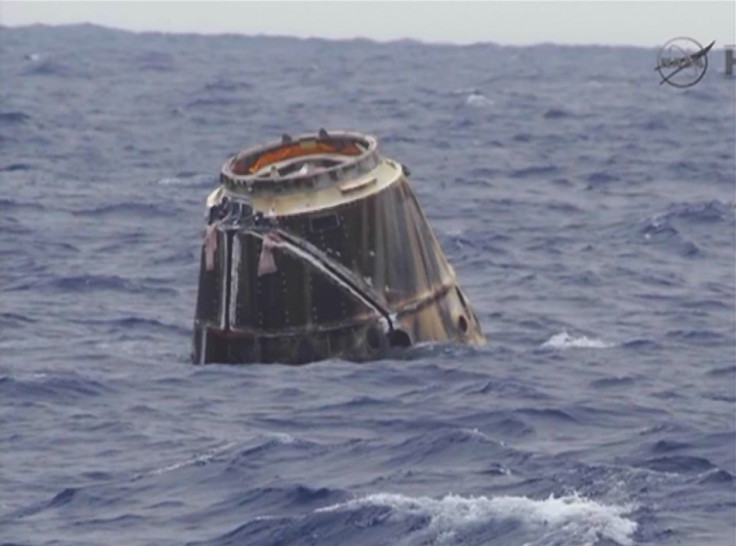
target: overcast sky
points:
(519, 22)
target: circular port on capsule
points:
(399, 338)
(462, 323)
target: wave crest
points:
(563, 340)
(571, 519)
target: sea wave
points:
(564, 340)
(570, 519)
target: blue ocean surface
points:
(588, 211)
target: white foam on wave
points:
(478, 100)
(563, 340)
(281, 438)
(198, 459)
(475, 433)
(571, 520)
(194, 180)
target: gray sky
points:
(520, 22)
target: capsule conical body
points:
(317, 248)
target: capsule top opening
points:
(307, 161)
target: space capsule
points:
(315, 247)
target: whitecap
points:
(198, 459)
(563, 340)
(195, 180)
(281, 438)
(478, 435)
(570, 520)
(474, 432)
(478, 100)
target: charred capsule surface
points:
(315, 247)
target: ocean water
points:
(587, 209)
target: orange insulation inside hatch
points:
(304, 148)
